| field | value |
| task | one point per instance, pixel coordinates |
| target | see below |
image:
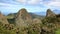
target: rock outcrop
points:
(49, 13)
(3, 19)
(23, 18)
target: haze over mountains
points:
(44, 13)
(38, 13)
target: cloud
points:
(34, 1)
(55, 3)
(29, 1)
(8, 5)
(4, 4)
(9, 2)
(30, 5)
(22, 1)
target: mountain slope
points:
(23, 18)
(3, 19)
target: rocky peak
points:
(23, 10)
(3, 19)
(23, 14)
(23, 17)
(50, 13)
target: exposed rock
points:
(23, 18)
(50, 13)
(36, 20)
(3, 19)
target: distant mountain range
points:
(38, 13)
(44, 13)
(57, 11)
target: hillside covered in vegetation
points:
(29, 23)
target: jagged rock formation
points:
(3, 19)
(49, 13)
(49, 22)
(23, 18)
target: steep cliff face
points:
(3, 19)
(23, 18)
(49, 13)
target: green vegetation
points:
(58, 31)
(23, 24)
(3, 30)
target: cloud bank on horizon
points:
(31, 5)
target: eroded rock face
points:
(49, 13)
(23, 18)
(3, 19)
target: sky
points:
(12, 6)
